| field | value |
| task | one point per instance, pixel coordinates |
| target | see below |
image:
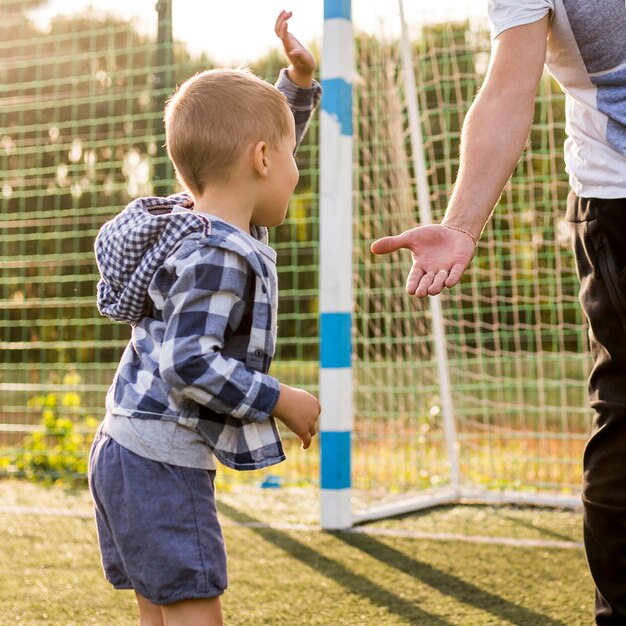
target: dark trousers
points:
(599, 238)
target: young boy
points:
(194, 277)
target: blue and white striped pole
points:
(337, 69)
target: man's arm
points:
(495, 132)
(496, 128)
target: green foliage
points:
(59, 451)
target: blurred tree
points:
(80, 135)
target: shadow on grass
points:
(351, 581)
(542, 528)
(447, 584)
(516, 521)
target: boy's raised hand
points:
(302, 62)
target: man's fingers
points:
(384, 245)
(424, 284)
(455, 275)
(413, 279)
(432, 283)
(439, 282)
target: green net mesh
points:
(81, 134)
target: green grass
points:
(50, 572)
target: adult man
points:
(584, 46)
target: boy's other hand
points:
(298, 410)
(302, 62)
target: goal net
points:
(515, 351)
(81, 101)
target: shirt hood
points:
(132, 246)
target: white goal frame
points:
(336, 389)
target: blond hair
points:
(214, 116)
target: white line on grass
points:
(502, 541)
(416, 534)
(363, 530)
(34, 510)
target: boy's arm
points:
(296, 82)
(302, 102)
(205, 304)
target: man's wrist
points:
(462, 229)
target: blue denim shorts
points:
(157, 525)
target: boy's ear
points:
(260, 158)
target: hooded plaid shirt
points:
(201, 300)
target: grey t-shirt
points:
(160, 440)
(587, 56)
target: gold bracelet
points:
(461, 230)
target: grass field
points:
(457, 565)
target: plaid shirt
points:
(201, 299)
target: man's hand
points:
(302, 62)
(440, 256)
(298, 410)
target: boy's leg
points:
(202, 612)
(149, 614)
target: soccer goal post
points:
(336, 242)
(477, 394)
